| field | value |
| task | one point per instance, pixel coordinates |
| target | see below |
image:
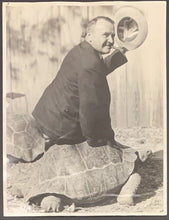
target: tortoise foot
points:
(51, 204)
(125, 200)
(129, 189)
(16, 192)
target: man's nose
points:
(111, 39)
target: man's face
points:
(102, 36)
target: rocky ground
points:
(150, 197)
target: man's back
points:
(75, 106)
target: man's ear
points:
(89, 37)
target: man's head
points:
(100, 34)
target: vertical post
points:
(126, 94)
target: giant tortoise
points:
(79, 174)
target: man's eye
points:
(106, 34)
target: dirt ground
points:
(150, 197)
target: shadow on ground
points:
(152, 177)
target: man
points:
(75, 106)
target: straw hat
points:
(131, 27)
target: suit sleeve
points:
(114, 60)
(94, 104)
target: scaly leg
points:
(129, 189)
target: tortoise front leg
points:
(55, 204)
(129, 189)
(51, 203)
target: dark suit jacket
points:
(75, 106)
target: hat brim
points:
(139, 18)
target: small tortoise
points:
(23, 139)
(81, 174)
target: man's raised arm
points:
(114, 60)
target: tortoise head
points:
(144, 154)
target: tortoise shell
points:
(79, 172)
(23, 139)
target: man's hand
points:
(121, 49)
(124, 50)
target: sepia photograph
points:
(84, 108)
